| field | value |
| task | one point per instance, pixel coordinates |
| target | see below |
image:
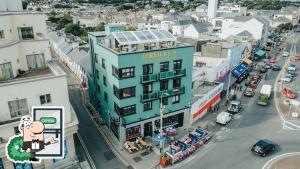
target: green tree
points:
(63, 21)
(74, 29)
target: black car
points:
(263, 70)
(263, 147)
(276, 68)
(268, 66)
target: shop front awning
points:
(239, 70)
(247, 61)
(260, 53)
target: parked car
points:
(249, 92)
(272, 61)
(235, 106)
(285, 54)
(267, 66)
(263, 70)
(263, 147)
(268, 48)
(276, 68)
(296, 57)
(224, 118)
(291, 73)
(287, 79)
(288, 93)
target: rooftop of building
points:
(21, 13)
(139, 41)
(201, 89)
(51, 70)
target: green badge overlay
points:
(15, 151)
(48, 120)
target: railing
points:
(172, 92)
(149, 78)
(177, 91)
(171, 74)
(148, 97)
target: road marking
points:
(266, 166)
(90, 160)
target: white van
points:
(223, 118)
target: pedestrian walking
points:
(217, 107)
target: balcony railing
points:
(171, 74)
(148, 97)
(149, 78)
(172, 92)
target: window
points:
(36, 61)
(104, 81)
(96, 58)
(6, 71)
(147, 88)
(124, 93)
(16, 129)
(26, 33)
(18, 107)
(147, 106)
(164, 66)
(176, 99)
(45, 99)
(97, 74)
(177, 64)
(176, 83)
(123, 73)
(1, 34)
(147, 69)
(127, 72)
(164, 101)
(116, 108)
(103, 63)
(128, 110)
(164, 85)
(105, 97)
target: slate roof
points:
(281, 19)
(245, 33)
(201, 26)
(80, 56)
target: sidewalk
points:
(284, 161)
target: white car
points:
(285, 54)
(286, 79)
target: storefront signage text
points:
(159, 54)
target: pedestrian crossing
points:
(290, 126)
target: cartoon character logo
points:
(31, 145)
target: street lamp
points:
(161, 109)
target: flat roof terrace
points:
(200, 90)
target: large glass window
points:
(23, 165)
(1, 37)
(164, 85)
(6, 71)
(147, 106)
(123, 73)
(164, 66)
(176, 99)
(147, 69)
(176, 83)
(26, 33)
(18, 108)
(128, 110)
(177, 64)
(103, 63)
(147, 88)
(164, 101)
(36, 61)
(124, 93)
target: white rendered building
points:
(29, 78)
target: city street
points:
(99, 151)
(232, 149)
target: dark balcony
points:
(177, 91)
(172, 92)
(149, 78)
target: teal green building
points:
(132, 72)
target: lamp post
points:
(161, 109)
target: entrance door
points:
(148, 129)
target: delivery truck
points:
(264, 95)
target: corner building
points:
(132, 72)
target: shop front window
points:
(133, 132)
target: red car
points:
(296, 57)
(267, 48)
(288, 93)
(272, 60)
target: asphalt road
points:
(99, 151)
(231, 150)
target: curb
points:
(271, 161)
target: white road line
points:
(293, 124)
(266, 166)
